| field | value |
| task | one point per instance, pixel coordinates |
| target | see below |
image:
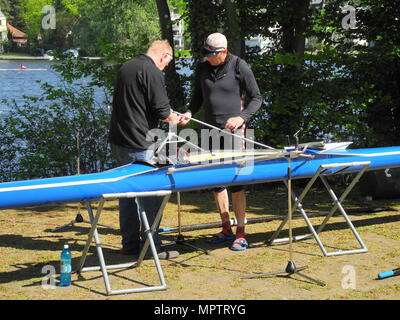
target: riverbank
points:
(43, 58)
(23, 58)
(17, 56)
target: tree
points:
(12, 10)
(36, 15)
(174, 84)
(233, 31)
(368, 47)
(5, 7)
(89, 24)
(126, 23)
(335, 93)
(31, 13)
(204, 17)
(45, 136)
(40, 136)
(286, 110)
(348, 89)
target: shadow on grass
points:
(63, 207)
(261, 239)
(33, 270)
(263, 198)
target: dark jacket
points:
(140, 101)
(218, 91)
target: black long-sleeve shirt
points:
(218, 90)
(140, 101)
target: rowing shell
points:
(140, 177)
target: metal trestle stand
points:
(291, 268)
(149, 231)
(78, 219)
(327, 169)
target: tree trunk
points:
(289, 115)
(293, 40)
(300, 26)
(173, 83)
(232, 29)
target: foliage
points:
(341, 84)
(203, 18)
(372, 57)
(172, 77)
(129, 23)
(89, 24)
(5, 7)
(99, 72)
(40, 135)
(31, 13)
(35, 130)
(45, 136)
(178, 6)
(324, 99)
(345, 90)
(12, 11)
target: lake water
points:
(14, 84)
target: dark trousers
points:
(132, 230)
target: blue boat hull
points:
(142, 177)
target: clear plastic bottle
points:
(65, 267)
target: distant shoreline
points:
(23, 58)
(47, 59)
(44, 59)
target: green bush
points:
(46, 136)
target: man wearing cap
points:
(220, 81)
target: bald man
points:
(140, 102)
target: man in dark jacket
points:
(219, 84)
(140, 101)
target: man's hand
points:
(234, 123)
(173, 118)
(184, 118)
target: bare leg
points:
(222, 202)
(239, 207)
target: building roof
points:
(19, 40)
(15, 32)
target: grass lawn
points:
(28, 245)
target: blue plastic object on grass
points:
(65, 267)
(389, 273)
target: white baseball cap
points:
(215, 42)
